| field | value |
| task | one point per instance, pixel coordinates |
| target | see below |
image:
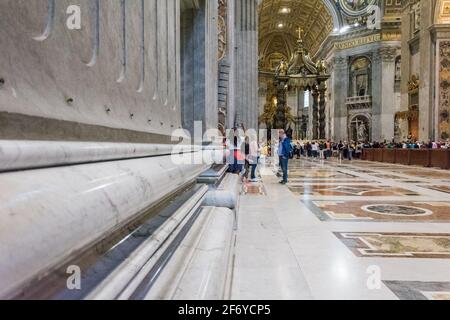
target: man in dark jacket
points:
(284, 150)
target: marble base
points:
(49, 215)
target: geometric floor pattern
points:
(411, 290)
(398, 245)
(319, 236)
(401, 211)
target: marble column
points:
(377, 96)
(322, 110)
(231, 60)
(246, 63)
(387, 116)
(427, 62)
(441, 110)
(406, 56)
(280, 118)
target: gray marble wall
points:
(199, 84)
(384, 103)
(117, 79)
(120, 70)
(246, 63)
(340, 89)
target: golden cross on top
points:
(300, 33)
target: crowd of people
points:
(354, 150)
(243, 157)
(244, 154)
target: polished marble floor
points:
(344, 230)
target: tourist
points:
(308, 149)
(284, 151)
(315, 150)
(350, 149)
(245, 172)
(328, 149)
(335, 150)
(341, 150)
(358, 151)
(298, 150)
(239, 158)
(253, 156)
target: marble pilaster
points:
(340, 71)
(387, 84)
(199, 63)
(427, 58)
(246, 66)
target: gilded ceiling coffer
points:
(303, 74)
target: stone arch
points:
(337, 18)
(326, 15)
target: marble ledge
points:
(49, 214)
(21, 155)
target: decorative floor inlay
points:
(253, 189)
(445, 189)
(318, 174)
(411, 181)
(387, 176)
(398, 245)
(403, 211)
(301, 181)
(363, 171)
(427, 174)
(353, 190)
(415, 290)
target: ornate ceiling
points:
(312, 16)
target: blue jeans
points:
(284, 167)
(253, 177)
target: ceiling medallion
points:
(356, 7)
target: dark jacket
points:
(287, 147)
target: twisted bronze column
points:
(280, 117)
(322, 109)
(315, 111)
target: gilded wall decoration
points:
(413, 84)
(312, 15)
(444, 92)
(417, 7)
(444, 12)
(352, 43)
(356, 7)
(222, 29)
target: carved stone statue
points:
(322, 67)
(282, 68)
(414, 83)
(362, 132)
(416, 11)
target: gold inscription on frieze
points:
(358, 42)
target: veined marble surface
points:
(47, 215)
(16, 155)
(200, 268)
(284, 250)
